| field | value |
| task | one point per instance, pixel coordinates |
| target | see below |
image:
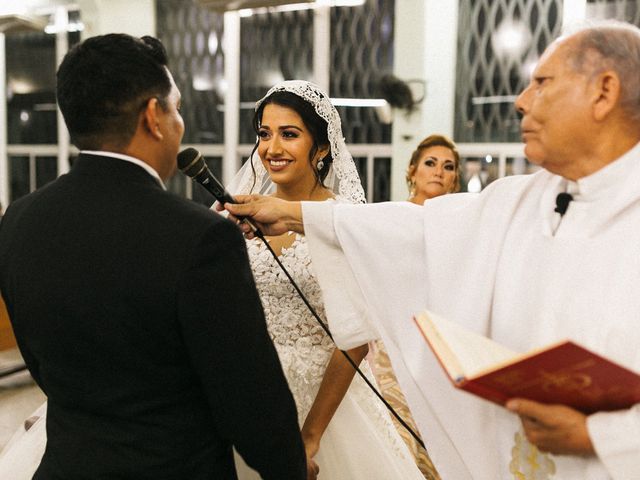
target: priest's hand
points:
(556, 429)
(271, 215)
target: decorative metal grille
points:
(274, 47)
(193, 38)
(499, 42)
(361, 52)
(627, 10)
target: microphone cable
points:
(396, 415)
(192, 164)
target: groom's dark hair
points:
(105, 82)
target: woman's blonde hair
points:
(435, 140)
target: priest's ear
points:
(606, 94)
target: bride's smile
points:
(288, 150)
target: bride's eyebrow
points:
(284, 127)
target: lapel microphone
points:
(192, 164)
(562, 202)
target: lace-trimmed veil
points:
(342, 177)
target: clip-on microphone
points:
(562, 202)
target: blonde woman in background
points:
(434, 170)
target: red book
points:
(563, 373)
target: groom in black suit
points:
(135, 310)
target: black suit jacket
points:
(137, 314)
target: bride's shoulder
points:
(340, 199)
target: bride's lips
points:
(278, 165)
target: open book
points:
(562, 373)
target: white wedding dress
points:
(360, 442)
(21, 456)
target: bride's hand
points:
(311, 446)
(271, 215)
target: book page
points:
(473, 352)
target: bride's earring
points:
(320, 164)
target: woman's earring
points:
(412, 189)
(320, 164)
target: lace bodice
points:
(303, 346)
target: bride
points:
(300, 154)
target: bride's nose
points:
(275, 147)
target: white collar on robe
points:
(615, 182)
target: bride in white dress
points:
(301, 155)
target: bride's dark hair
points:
(316, 125)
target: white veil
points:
(342, 177)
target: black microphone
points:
(562, 202)
(192, 164)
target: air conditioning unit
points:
(227, 5)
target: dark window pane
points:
(381, 180)
(19, 175)
(46, 170)
(31, 108)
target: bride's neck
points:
(299, 193)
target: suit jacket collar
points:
(112, 167)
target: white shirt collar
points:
(609, 177)
(128, 158)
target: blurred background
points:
(398, 70)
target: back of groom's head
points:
(105, 82)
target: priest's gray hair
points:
(611, 45)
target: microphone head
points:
(189, 161)
(562, 202)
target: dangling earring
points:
(412, 188)
(320, 164)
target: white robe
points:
(505, 265)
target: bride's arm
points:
(335, 382)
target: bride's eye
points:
(263, 134)
(290, 134)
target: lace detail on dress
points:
(302, 345)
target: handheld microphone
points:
(562, 202)
(191, 163)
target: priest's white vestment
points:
(505, 265)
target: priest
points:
(531, 260)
